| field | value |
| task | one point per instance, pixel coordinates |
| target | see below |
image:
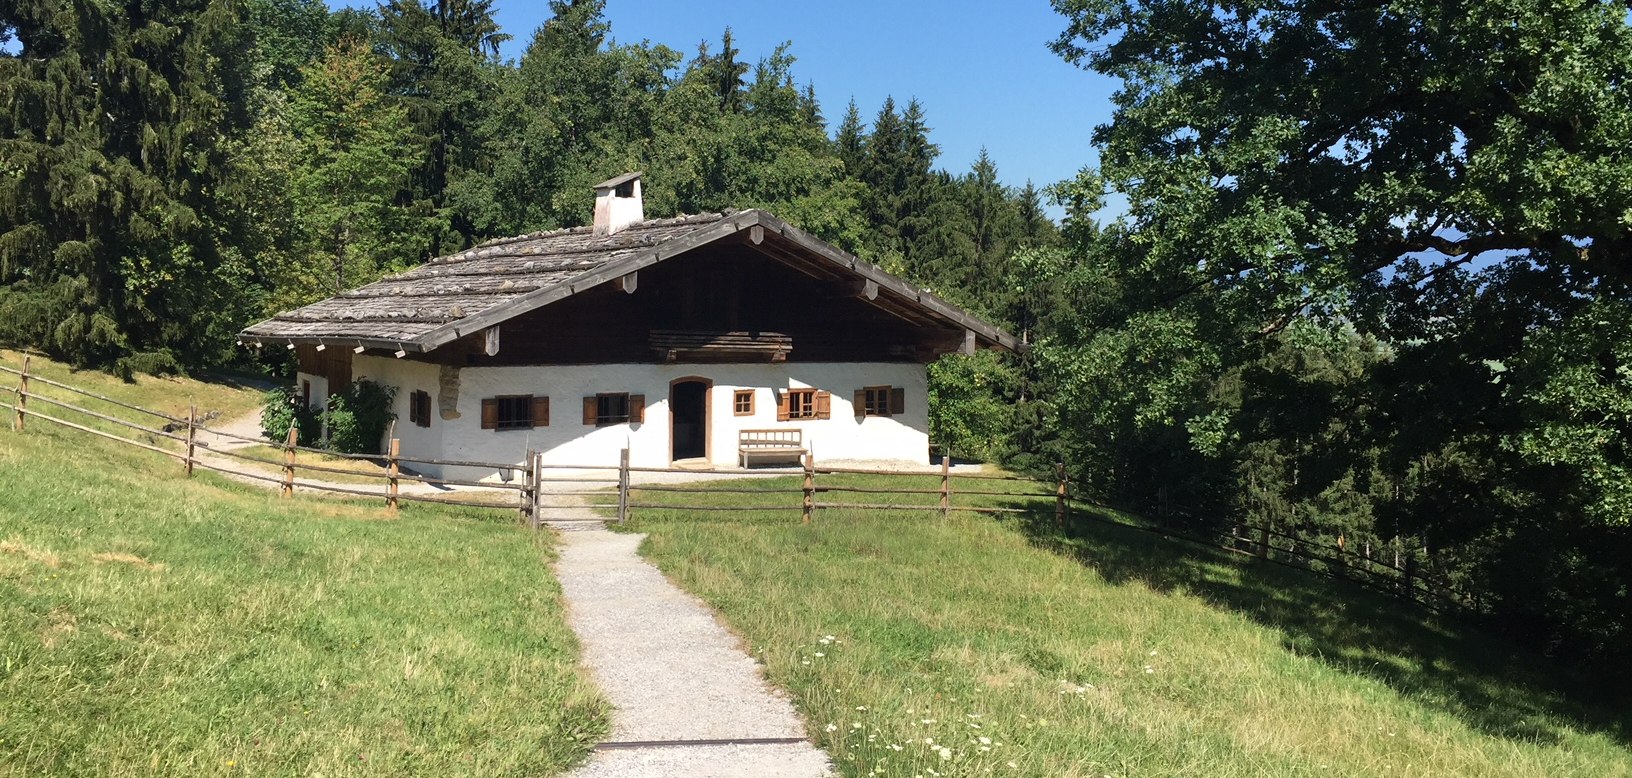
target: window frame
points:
(603, 402)
(419, 408)
(737, 402)
(524, 422)
(818, 408)
(801, 404)
(876, 401)
(881, 401)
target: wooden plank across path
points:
(687, 701)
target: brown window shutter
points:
(541, 411)
(637, 408)
(490, 414)
(425, 409)
(824, 405)
(589, 410)
(782, 405)
(413, 407)
(860, 403)
(898, 400)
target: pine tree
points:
(444, 64)
(114, 154)
(851, 141)
(726, 73)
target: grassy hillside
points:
(226, 399)
(152, 625)
(916, 645)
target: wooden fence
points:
(183, 433)
(532, 488)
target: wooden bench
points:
(782, 444)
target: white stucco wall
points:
(567, 440)
(320, 388)
(407, 376)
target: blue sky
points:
(982, 70)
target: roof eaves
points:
(992, 333)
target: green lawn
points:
(1112, 652)
(152, 625)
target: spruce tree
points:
(114, 128)
(444, 58)
(851, 141)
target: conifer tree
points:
(851, 141)
(444, 56)
(113, 139)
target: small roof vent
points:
(618, 203)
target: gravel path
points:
(671, 671)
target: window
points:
(796, 404)
(742, 402)
(305, 394)
(419, 408)
(880, 401)
(609, 408)
(511, 412)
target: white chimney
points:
(618, 204)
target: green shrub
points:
(157, 363)
(281, 408)
(358, 417)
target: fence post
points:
(946, 482)
(192, 435)
(810, 487)
(1060, 508)
(22, 394)
(1263, 537)
(623, 486)
(524, 497)
(289, 460)
(392, 469)
(1410, 578)
(538, 490)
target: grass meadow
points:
(973, 646)
(155, 625)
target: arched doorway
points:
(688, 418)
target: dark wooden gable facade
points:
(710, 299)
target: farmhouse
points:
(717, 339)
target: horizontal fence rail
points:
(548, 493)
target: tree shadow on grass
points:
(1443, 662)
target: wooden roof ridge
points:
(609, 241)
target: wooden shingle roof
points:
(450, 297)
